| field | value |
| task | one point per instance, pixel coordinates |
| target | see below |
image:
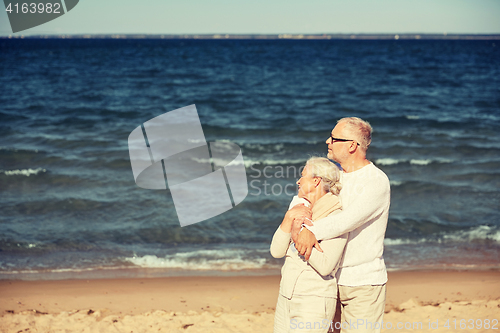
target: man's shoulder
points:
(375, 177)
(378, 173)
(369, 171)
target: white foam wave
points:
(395, 182)
(41, 270)
(420, 162)
(412, 117)
(225, 260)
(196, 141)
(482, 232)
(217, 161)
(478, 233)
(265, 148)
(249, 162)
(392, 161)
(24, 172)
(388, 161)
(400, 241)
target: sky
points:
(271, 17)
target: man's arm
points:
(365, 207)
(325, 262)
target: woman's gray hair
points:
(328, 172)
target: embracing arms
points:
(366, 206)
(323, 259)
(323, 262)
(282, 236)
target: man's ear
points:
(353, 147)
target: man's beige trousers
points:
(362, 309)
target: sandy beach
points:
(424, 301)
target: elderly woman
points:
(308, 289)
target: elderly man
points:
(365, 196)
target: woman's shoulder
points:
(333, 201)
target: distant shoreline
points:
(267, 36)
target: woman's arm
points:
(279, 244)
(282, 236)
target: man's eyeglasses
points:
(341, 140)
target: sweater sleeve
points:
(279, 244)
(297, 201)
(365, 207)
(281, 240)
(325, 262)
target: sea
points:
(69, 205)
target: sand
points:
(423, 301)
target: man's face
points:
(338, 150)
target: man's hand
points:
(298, 215)
(299, 211)
(296, 227)
(305, 242)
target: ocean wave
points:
(225, 260)
(42, 269)
(482, 232)
(393, 161)
(264, 147)
(18, 150)
(24, 172)
(388, 161)
(218, 161)
(403, 241)
(420, 162)
(250, 162)
(73, 206)
(479, 233)
(227, 264)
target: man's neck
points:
(354, 165)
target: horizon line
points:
(318, 36)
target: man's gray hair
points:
(328, 172)
(359, 128)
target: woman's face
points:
(307, 184)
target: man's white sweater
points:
(365, 199)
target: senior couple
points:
(332, 237)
